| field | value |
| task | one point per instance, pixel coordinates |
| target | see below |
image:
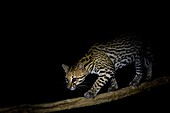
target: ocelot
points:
(105, 59)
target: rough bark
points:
(83, 102)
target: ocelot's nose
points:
(71, 88)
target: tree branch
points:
(82, 102)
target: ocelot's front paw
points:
(89, 94)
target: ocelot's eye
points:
(74, 79)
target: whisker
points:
(79, 88)
(82, 86)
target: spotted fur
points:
(105, 59)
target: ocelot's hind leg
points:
(148, 65)
(139, 72)
(114, 84)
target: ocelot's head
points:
(74, 76)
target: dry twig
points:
(82, 102)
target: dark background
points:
(35, 44)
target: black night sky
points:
(35, 46)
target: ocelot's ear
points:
(80, 66)
(65, 67)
